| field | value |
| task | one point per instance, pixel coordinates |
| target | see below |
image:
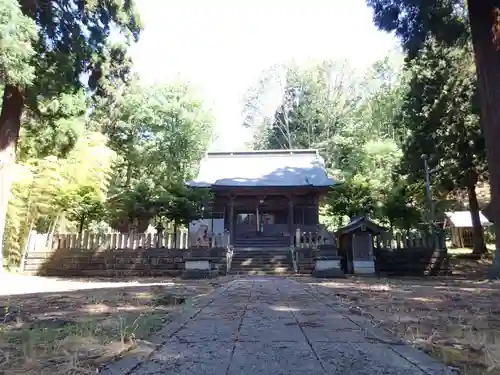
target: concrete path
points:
(273, 326)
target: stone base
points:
(364, 267)
(327, 267)
(199, 268)
(328, 273)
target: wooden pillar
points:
(316, 209)
(257, 218)
(231, 220)
(290, 219)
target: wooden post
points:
(290, 219)
(442, 241)
(298, 243)
(231, 220)
(85, 243)
(316, 209)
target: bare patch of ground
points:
(470, 266)
(456, 321)
(56, 326)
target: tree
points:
(47, 49)
(185, 204)
(440, 111)
(400, 206)
(159, 134)
(318, 109)
(48, 191)
(446, 21)
(385, 84)
(55, 129)
(352, 198)
(255, 101)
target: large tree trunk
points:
(477, 228)
(10, 123)
(481, 14)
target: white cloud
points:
(221, 46)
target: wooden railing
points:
(410, 241)
(109, 241)
(311, 240)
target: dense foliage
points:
(129, 173)
(350, 118)
(50, 52)
(456, 24)
(372, 130)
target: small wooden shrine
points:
(355, 245)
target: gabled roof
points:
(359, 222)
(463, 219)
(278, 168)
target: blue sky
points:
(221, 46)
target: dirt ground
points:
(455, 319)
(56, 326)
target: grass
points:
(77, 332)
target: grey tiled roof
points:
(262, 168)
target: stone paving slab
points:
(363, 359)
(188, 359)
(281, 330)
(261, 326)
(274, 359)
(202, 330)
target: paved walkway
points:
(273, 326)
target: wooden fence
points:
(395, 255)
(88, 240)
(311, 240)
(412, 255)
(116, 254)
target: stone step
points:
(259, 265)
(260, 250)
(263, 241)
(263, 273)
(263, 246)
(268, 271)
(262, 256)
(262, 265)
(265, 260)
(261, 260)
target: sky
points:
(222, 46)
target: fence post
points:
(388, 240)
(85, 242)
(398, 241)
(418, 240)
(435, 240)
(442, 241)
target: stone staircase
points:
(263, 261)
(262, 242)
